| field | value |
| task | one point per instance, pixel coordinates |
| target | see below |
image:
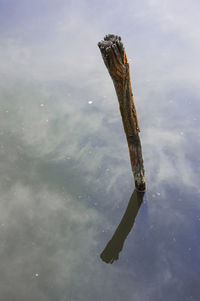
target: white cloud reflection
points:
(64, 163)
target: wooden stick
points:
(115, 59)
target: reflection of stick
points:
(115, 59)
(115, 245)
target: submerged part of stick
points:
(115, 59)
(115, 245)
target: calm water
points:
(66, 179)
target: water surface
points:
(66, 179)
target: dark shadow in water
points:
(115, 245)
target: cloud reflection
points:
(62, 158)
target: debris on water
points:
(36, 275)
(42, 105)
(158, 193)
(90, 102)
(181, 133)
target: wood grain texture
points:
(115, 59)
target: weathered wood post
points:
(115, 59)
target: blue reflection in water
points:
(65, 172)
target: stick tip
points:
(112, 49)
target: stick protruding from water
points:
(115, 59)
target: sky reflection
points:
(65, 172)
